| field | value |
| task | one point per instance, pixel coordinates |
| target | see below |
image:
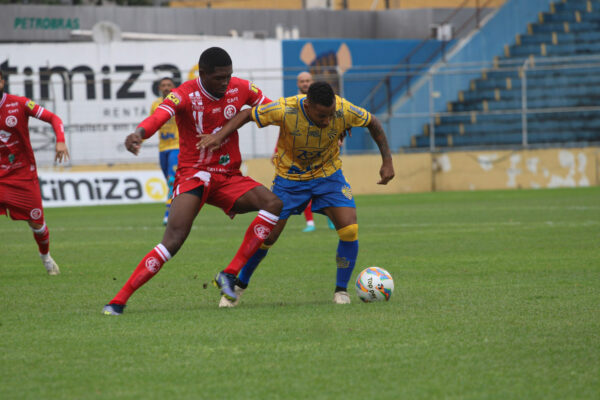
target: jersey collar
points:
(3, 99)
(205, 92)
(310, 123)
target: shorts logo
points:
(4, 136)
(229, 111)
(152, 265)
(36, 213)
(347, 191)
(262, 231)
(11, 121)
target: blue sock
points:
(248, 269)
(346, 258)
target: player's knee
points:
(274, 205)
(348, 233)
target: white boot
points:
(341, 298)
(50, 265)
(226, 303)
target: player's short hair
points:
(1, 74)
(212, 58)
(321, 93)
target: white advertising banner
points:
(66, 189)
(103, 91)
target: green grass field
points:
(497, 297)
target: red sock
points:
(42, 238)
(256, 234)
(308, 212)
(146, 269)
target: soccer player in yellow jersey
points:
(168, 142)
(308, 167)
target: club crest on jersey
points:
(229, 111)
(36, 213)
(232, 91)
(11, 121)
(31, 104)
(347, 191)
(4, 136)
(339, 113)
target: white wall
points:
(96, 127)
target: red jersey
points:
(16, 155)
(196, 112)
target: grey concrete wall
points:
(27, 23)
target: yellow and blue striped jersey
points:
(305, 151)
(168, 135)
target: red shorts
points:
(220, 190)
(22, 199)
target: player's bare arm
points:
(387, 168)
(214, 141)
(62, 153)
(133, 142)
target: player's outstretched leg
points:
(146, 269)
(347, 252)
(255, 235)
(42, 238)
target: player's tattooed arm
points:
(377, 133)
(133, 142)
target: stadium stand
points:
(549, 70)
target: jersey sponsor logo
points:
(31, 104)
(262, 231)
(196, 100)
(347, 191)
(314, 133)
(232, 100)
(224, 160)
(14, 110)
(308, 154)
(357, 111)
(36, 213)
(229, 111)
(4, 136)
(216, 110)
(232, 91)
(291, 110)
(174, 98)
(12, 104)
(295, 132)
(11, 121)
(152, 265)
(253, 88)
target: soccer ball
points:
(374, 284)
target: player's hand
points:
(210, 142)
(347, 132)
(133, 142)
(386, 172)
(62, 153)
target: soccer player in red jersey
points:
(20, 195)
(203, 106)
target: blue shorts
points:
(168, 162)
(330, 191)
